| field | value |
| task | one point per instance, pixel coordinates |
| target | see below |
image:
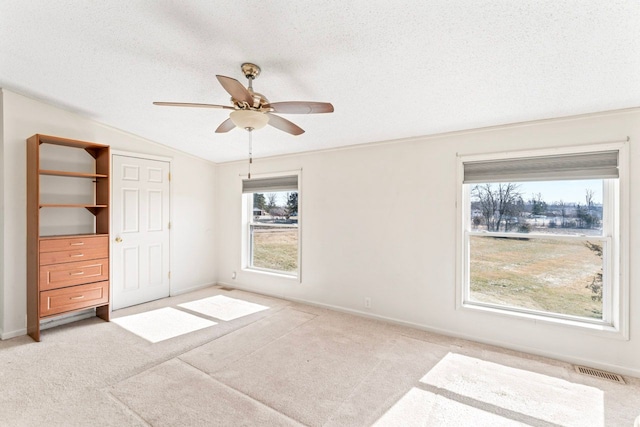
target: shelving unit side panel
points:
(33, 229)
(103, 190)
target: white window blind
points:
(596, 165)
(270, 185)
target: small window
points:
(541, 236)
(272, 221)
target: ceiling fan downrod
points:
(251, 72)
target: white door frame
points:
(144, 156)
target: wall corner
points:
(2, 269)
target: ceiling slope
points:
(391, 69)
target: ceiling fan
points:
(251, 110)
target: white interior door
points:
(140, 230)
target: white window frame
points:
(615, 321)
(247, 221)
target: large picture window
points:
(273, 219)
(541, 236)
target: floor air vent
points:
(224, 288)
(599, 374)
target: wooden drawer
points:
(73, 243)
(80, 254)
(73, 298)
(73, 273)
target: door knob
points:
(118, 239)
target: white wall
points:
(380, 221)
(192, 250)
(2, 270)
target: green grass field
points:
(539, 274)
(275, 249)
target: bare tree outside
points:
(563, 213)
(272, 201)
(589, 199)
(499, 204)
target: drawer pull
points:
(76, 255)
(78, 273)
(76, 244)
(78, 297)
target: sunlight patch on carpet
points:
(223, 308)
(528, 393)
(162, 324)
(423, 408)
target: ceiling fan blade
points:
(235, 89)
(284, 125)
(191, 104)
(225, 126)
(301, 107)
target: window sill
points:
(602, 330)
(273, 273)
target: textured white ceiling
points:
(392, 69)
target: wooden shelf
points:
(65, 236)
(71, 205)
(72, 174)
(90, 147)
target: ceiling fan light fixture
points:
(249, 119)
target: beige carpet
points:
(162, 324)
(492, 385)
(222, 307)
(423, 408)
(176, 394)
(290, 364)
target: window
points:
(272, 221)
(541, 236)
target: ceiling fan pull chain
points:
(250, 151)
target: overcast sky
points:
(567, 191)
(552, 191)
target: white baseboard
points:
(622, 370)
(12, 334)
(191, 289)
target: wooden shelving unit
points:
(67, 273)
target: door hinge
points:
(169, 275)
(169, 174)
(169, 225)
